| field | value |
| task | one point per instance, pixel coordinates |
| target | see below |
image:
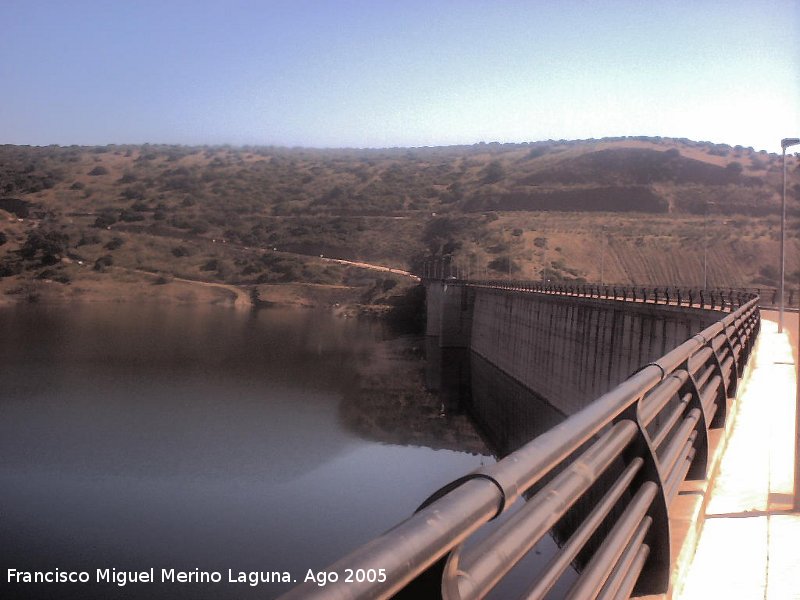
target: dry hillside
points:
(627, 210)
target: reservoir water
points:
(165, 437)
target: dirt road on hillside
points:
(371, 266)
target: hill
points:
(627, 210)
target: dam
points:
(643, 378)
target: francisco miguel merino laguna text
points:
(123, 578)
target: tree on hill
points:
(48, 243)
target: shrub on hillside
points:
(734, 167)
(114, 244)
(134, 192)
(105, 220)
(250, 269)
(199, 227)
(98, 170)
(211, 265)
(102, 263)
(537, 152)
(130, 216)
(494, 172)
(10, 268)
(767, 275)
(54, 275)
(504, 264)
(49, 243)
(87, 240)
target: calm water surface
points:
(137, 437)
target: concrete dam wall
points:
(569, 350)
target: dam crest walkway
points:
(747, 534)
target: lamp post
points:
(544, 266)
(785, 143)
(705, 245)
(603, 256)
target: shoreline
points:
(133, 285)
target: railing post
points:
(699, 466)
(655, 576)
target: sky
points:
(386, 73)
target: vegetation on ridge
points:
(629, 210)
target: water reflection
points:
(394, 402)
(507, 413)
(173, 437)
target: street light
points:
(603, 256)
(785, 143)
(705, 244)
(544, 265)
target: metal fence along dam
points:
(643, 375)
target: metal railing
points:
(724, 299)
(442, 268)
(631, 448)
(770, 297)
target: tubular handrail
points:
(723, 299)
(717, 298)
(646, 436)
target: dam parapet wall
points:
(567, 349)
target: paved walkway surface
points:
(749, 547)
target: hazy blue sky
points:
(397, 73)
